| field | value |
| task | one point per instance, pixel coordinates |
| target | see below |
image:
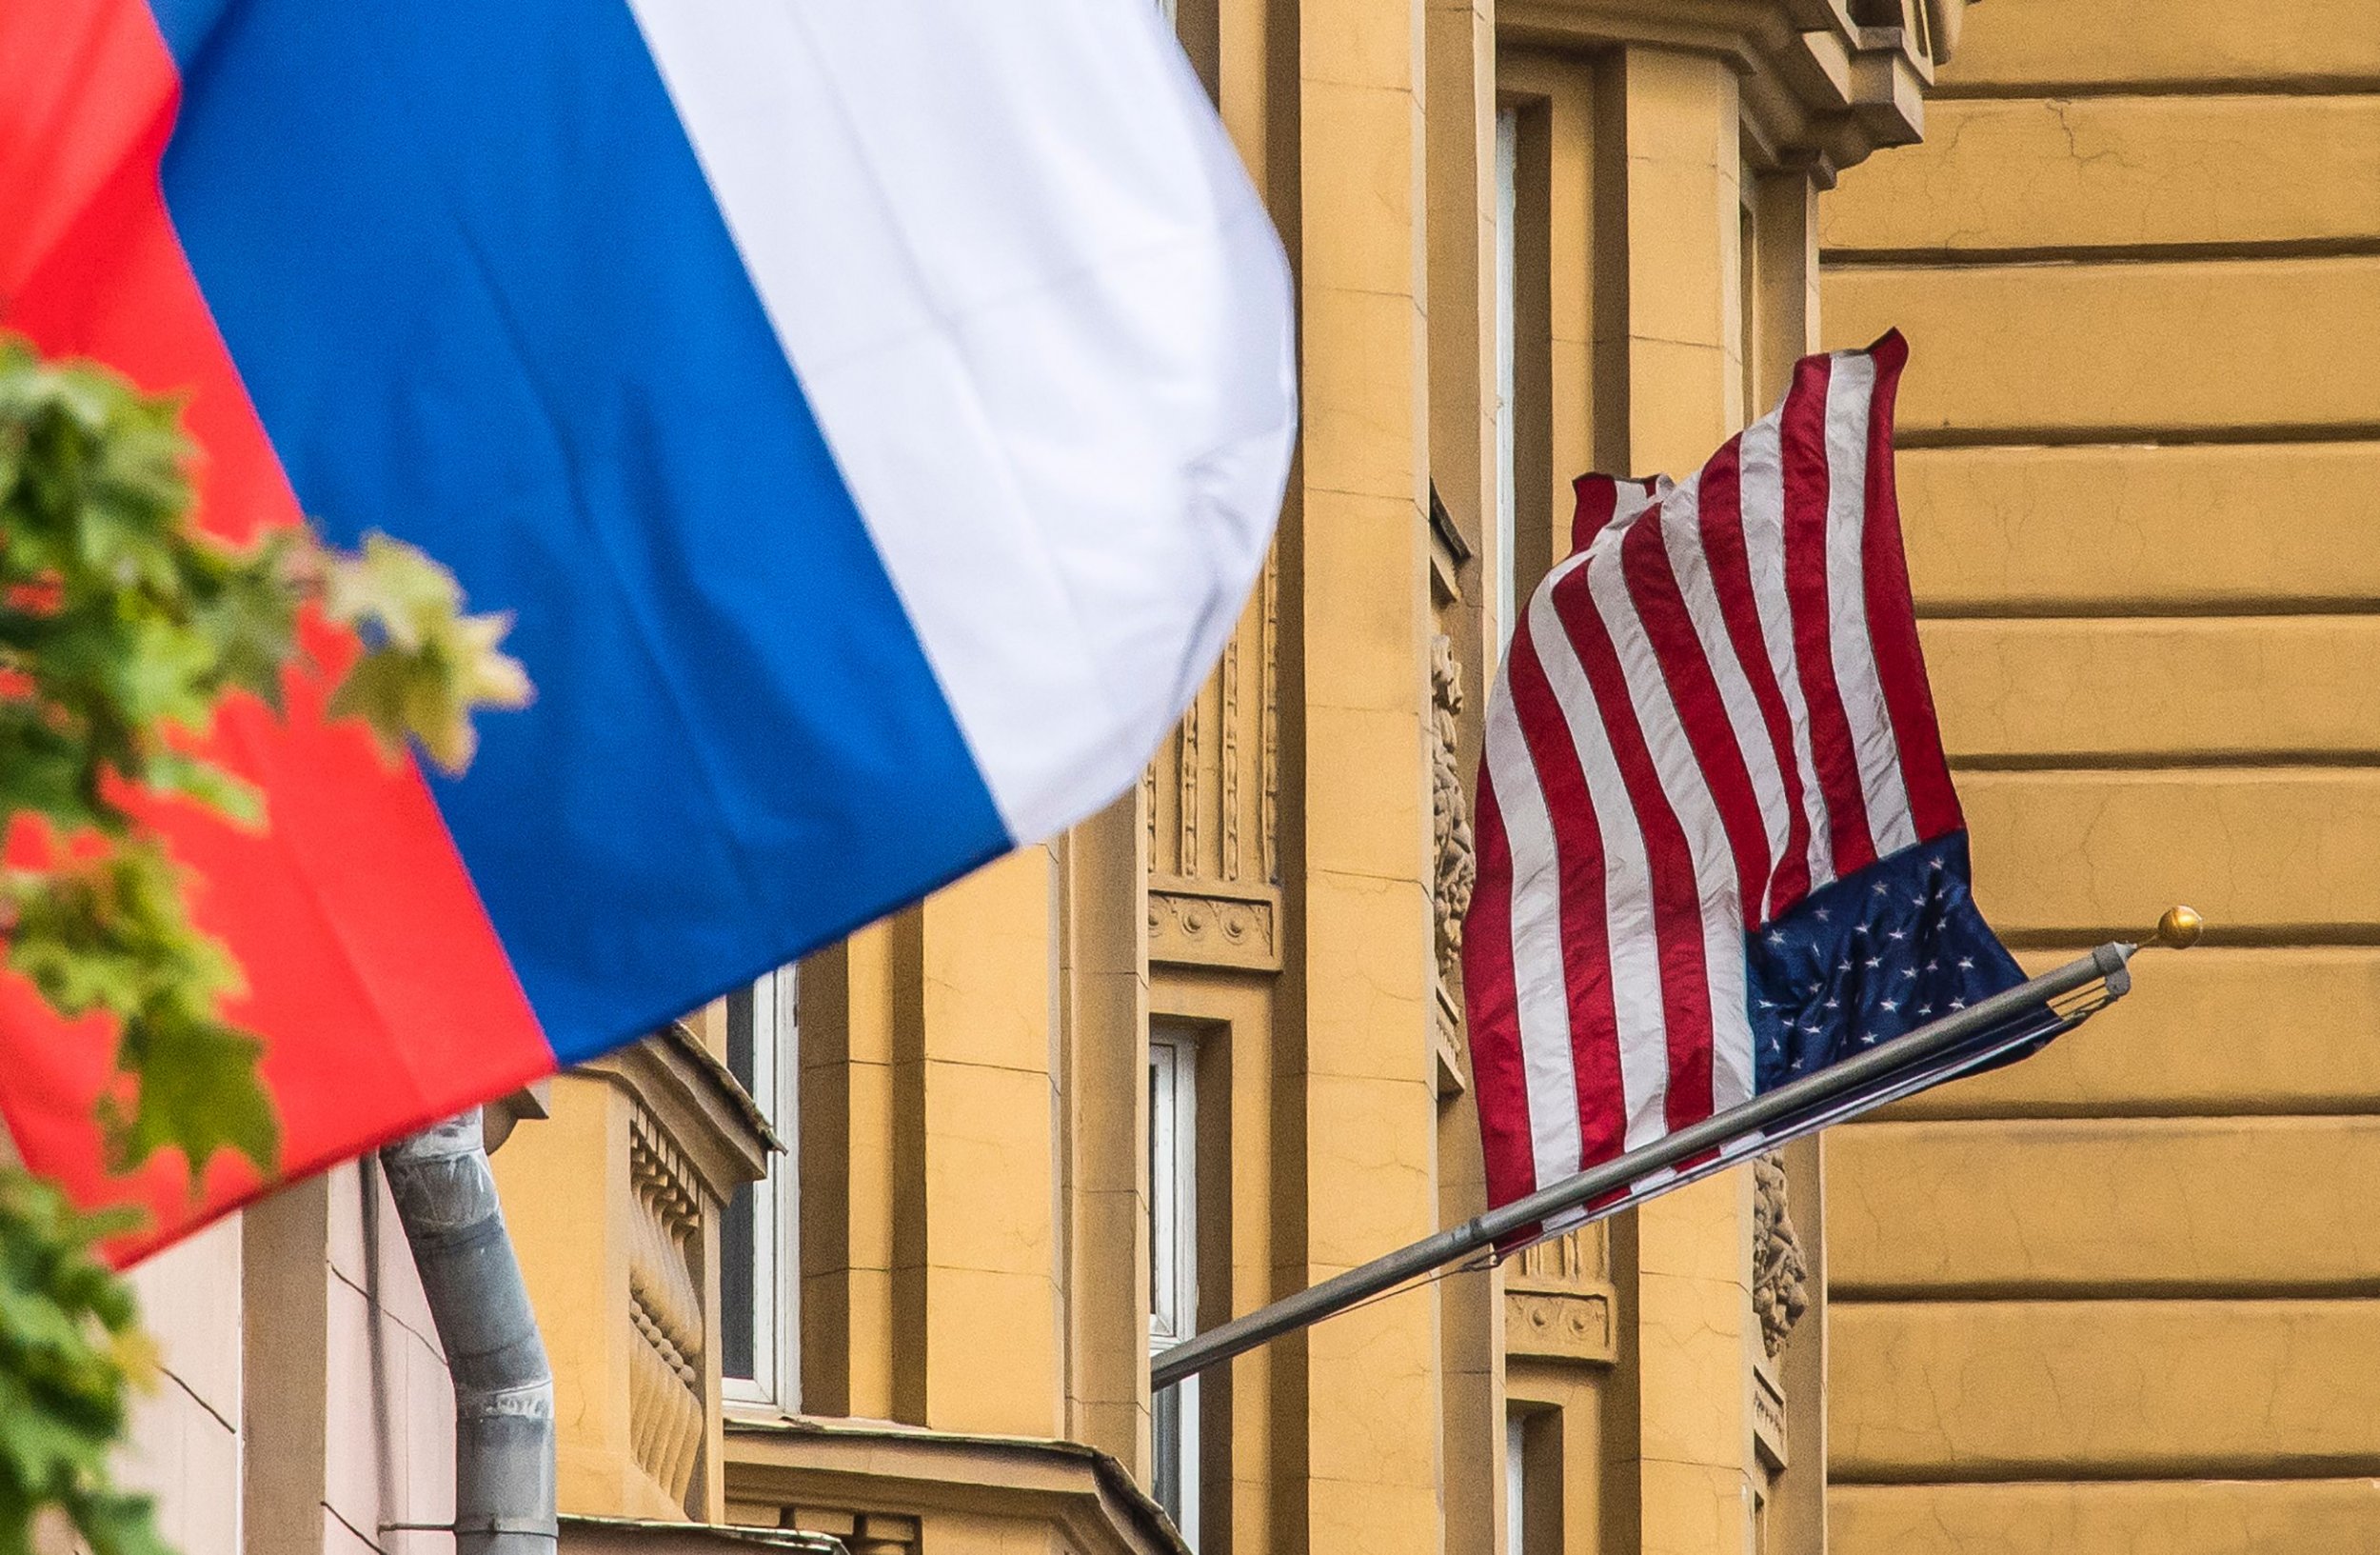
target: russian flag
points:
(874, 415)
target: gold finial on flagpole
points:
(2179, 928)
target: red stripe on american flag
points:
(1496, 1073)
(1602, 500)
(1495, 1015)
(1803, 451)
(1677, 906)
(1694, 691)
(1892, 619)
(1599, 499)
(1731, 580)
(1586, 930)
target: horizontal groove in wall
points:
(2099, 254)
(2321, 937)
(2142, 607)
(2178, 1470)
(1840, 1292)
(2134, 438)
(2246, 86)
(1942, 1107)
(2086, 761)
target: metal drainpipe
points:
(504, 1389)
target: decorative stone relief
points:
(863, 1533)
(1458, 868)
(666, 1312)
(1780, 1277)
(1767, 1421)
(1557, 1300)
(1212, 798)
(1212, 928)
(1268, 730)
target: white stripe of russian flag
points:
(923, 279)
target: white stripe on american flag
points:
(1690, 800)
(1681, 535)
(1540, 997)
(1763, 504)
(1849, 388)
(1636, 946)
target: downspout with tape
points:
(503, 1388)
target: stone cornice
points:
(645, 1536)
(879, 1465)
(696, 1103)
(1821, 90)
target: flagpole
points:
(1804, 1100)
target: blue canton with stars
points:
(1868, 958)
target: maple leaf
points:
(427, 667)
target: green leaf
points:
(66, 1377)
(203, 782)
(112, 934)
(394, 587)
(198, 1090)
(428, 667)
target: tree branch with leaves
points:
(124, 627)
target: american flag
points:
(1719, 847)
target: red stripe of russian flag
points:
(380, 989)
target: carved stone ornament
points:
(665, 1311)
(1458, 869)
(1780, 1277)
(1229, 927)
(1559, 1301)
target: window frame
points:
(1174, 1262)
(776, 1386)
(1507, 300)
(1515, 1482)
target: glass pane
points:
(740, 1041)
(736, 1316)
(1164, 1229)
(1515, 1484)
(1165, 1409)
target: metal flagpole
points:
(1887, 1072)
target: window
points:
(1750, 325)
(1507, 202)
(759, 1259)
(1532, 1480)
(1174, 1268)
(1516, 1483)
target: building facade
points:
(875, 1253)
(2120, 1296)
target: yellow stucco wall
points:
(2120, 1296)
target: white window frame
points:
(1516, 1483)
(1173, 1251)
(1507, 499)
(776, 1384)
